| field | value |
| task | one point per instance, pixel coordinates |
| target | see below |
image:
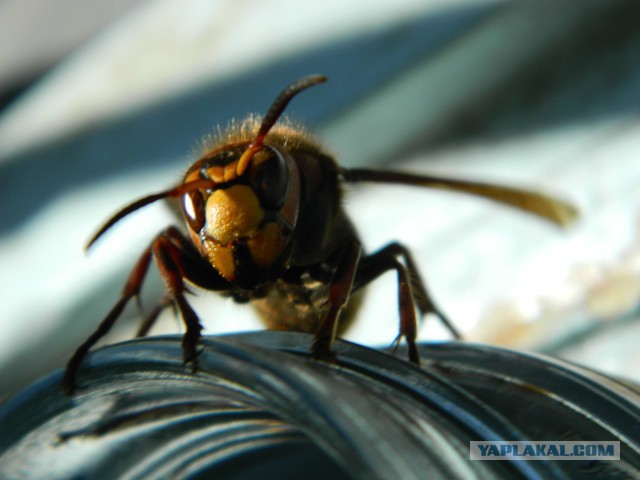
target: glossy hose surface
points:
(260, 407)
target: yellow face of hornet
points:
(242, 224)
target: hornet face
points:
(243, 223)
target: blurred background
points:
(104, 102)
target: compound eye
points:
(193, 208)
(270, 181)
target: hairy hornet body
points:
(266, 232)
(265, 224)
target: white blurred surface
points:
(501, 275)
(166, 47)
(35, 34)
